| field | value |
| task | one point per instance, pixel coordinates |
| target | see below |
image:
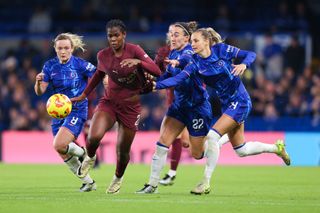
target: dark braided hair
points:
(117, 23)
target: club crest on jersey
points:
(73, 74)
(219, 64)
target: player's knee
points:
(197, 155)
(60, 148)
(94, 138)
(241, 151)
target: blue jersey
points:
(191, 91)
(70, 79)
(215, 71)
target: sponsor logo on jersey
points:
(230, 49)
(90, 67)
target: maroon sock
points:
(175, 153)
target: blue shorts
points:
(197, 119)
(239, 107)
(74, 122)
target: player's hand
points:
(174, 63)
(154, 84)
(78, 98)
(149, 77)
(238, 69)
(39, 77)
(149, 84)
(130, 62)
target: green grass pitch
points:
(52, 188)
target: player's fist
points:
(40, 77)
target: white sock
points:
(158, 161)
(86, 179)
(73, 163)
(75, 150)
(254, 148)
(212, 152)
(172, 173)
(223, 140)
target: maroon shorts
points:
(125, 112)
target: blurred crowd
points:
(284, 88)
(225, 15)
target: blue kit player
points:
(190, 109)
(68, 75)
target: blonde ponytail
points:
(211, 35)
(76, 40)
(215, 37)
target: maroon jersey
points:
(124, 82)
(162, 54)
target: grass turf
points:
(52, 188)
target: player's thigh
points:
(170, 129)
(236, 135)
(100, 123)
(125, 138)
(63, 137)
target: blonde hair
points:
(213, 36)
(76, 40)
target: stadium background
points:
(284, 82)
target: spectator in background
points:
(272, 59)
(283, 19)
(40, 21)
(295, 56)
(137, 22)
(301, 18)
(222, 21)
